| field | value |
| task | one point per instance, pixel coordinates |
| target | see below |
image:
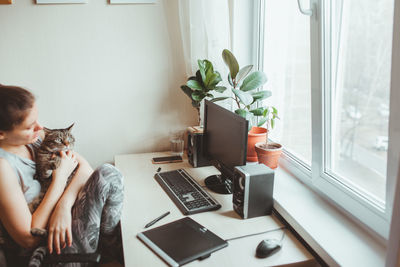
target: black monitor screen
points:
(225, 144)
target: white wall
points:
(114, 70)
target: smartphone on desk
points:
(168, 159)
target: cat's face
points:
(60, 139)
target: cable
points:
(273, 230)
(283, 235)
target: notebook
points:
(182, 241)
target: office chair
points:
(8, 258)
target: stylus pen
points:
(156, 219)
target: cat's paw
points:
(39, 232)
(48, 174)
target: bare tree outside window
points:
(356, 139)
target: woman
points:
(76, 216)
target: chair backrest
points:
(9, 258)
(3, 261)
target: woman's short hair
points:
(14, 105)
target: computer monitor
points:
(225, 145)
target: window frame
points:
(373, 215)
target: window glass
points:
(361, 34)
(287, 65)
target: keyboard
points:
(185, 192)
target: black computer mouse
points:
(267, 247)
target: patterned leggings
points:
(96, 215)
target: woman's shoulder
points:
(4, 155)
(5, 167)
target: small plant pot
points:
(256, 135)
(268, 155)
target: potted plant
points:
(202, 84)
(268, 153)
(249, 101)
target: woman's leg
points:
(97, 210)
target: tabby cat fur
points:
(48, 158)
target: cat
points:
(48, 158)
(40, 252)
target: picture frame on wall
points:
(133, 1)
(5, 2)
(61, 1)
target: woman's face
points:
(26, 132)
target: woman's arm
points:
(60, 221)
(14, 211)
(78, 181)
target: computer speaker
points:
(195, 148)
(253, 187)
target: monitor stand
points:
(218, 184)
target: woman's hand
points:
(60, 233)
(60, 220)
(67, 166)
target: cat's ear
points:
(46, 130)
(70, 127)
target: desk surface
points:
(146, 200)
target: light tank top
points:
(25, 170)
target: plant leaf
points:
(219, 98)
(186, 89)
(209, 73)
(202, 68)
(275, 112)
(244, 113)
(195, 104)
(230, 80)
(266, 112)
(243, 73)
(262, 121)
(220, 89)
(192, 78)
(195, 85)
(261, 95)
(272, 123)
(231, 62)
(213, 83)
(212, 80)
(198, 96)
(257, 111)
(198, 76)
(244, 97)
(253, 81)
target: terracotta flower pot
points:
(268, 155)
(256, 135)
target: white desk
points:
(146, 200)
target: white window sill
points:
(337, 239)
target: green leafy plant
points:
(202, 84)
(244, 84)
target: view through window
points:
(356, 128)
(287, 64)
(361, 35)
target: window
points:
(287, 64)
(329, 74)
(361, 45)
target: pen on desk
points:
(156, 220)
